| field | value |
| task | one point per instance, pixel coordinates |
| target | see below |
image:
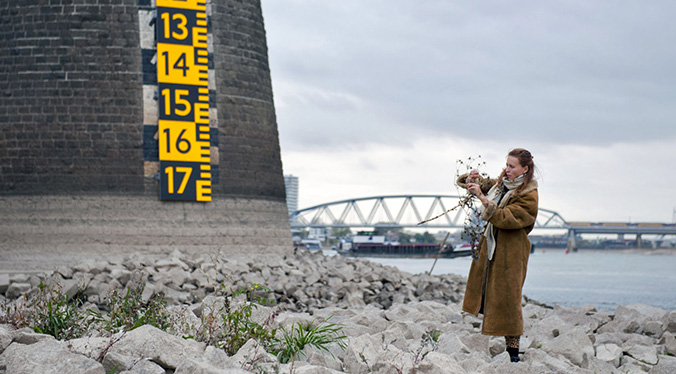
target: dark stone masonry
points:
(70, 109)
(78, 133)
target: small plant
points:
(55, 314)
(363, 359)
(293, 341)
(231, 325)
(130, 311)
(48, 311)
(238, 328)
(15, 314)
(430, 338)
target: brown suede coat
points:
(500, 281)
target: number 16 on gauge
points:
(184, 161)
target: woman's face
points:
(514, 168)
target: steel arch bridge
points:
(398, 211)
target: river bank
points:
(395, 322)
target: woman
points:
(495, 281)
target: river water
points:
(604, 279)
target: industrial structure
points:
(408, 211)
(86, 87)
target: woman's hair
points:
(525, 159)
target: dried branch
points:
(462, 202)
(473, 228)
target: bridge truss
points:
(400, 211)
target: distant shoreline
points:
(642, 251)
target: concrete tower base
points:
(42, 232)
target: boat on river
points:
(408, 250)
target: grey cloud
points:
(561, 72)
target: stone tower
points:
(79, 135)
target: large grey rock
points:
(547, 328)
(609, 353)
(362, 353)
(313, 369)
(452, 344)
(475, 342)
(472, 361)
(643, 353)
(552, 364)
(47, 357)
(195, 366)
(4, 283)
(174, 277)
(122, 275)
(404, 335)
(654, 328)
(114, 362)
(438, 363)
(6, 336)
(68, 287)
(184, 318)
(575, 318)
(315, 356)
(670, 322)
(598, 366)
(28, 336)
(432, 311)
(669, 342)
(624, 325)
(496, 345)
(143, 367)
(165, 349)
(609, 338)
(640, 312)
(252, 354)
(370, 321)
(633, 318)
(631, 366)
(91, 347)
(392, 360)
(172, 262)
(573, 345)
(16, 289)
(667, 365)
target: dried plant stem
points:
(441, 248)
(462, 202)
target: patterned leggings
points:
(512, 341)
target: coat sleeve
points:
(520, 212)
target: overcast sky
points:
(378, 97)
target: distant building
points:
(291, 183)
(318, 233)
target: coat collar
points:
(530, 187)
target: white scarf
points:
(497, 194)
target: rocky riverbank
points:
(395, 322)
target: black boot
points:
(513, 354)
